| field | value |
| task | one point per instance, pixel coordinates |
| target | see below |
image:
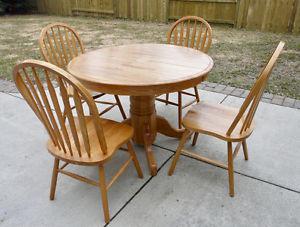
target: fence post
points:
(237, 21)
(241, 10)
(116, 8)
(165, 11)
(129, 9)
(293, 16)
(296, 27)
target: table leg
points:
(146, 124)
(148, 140)
(143, 120)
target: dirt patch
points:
(11, 56)
(3, 47)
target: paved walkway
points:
(267, 186)
(9, 87)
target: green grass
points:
(239, 55)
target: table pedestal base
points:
(146, 124)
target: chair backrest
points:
(65, 132)
(191, 31)
(249, 107)
(59, 44)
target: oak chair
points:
(82, 137)
(59, 44)
(226, 123)
(193, 32)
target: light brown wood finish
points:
(143, 71)
(227, 123)
(83, 138)
(193, 32)
(59, 44)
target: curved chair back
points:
(59, 44)
(191, 31)
(250, 104)
(67, 132)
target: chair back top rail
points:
(191, 31)
(249, 106)
(66, 126)
(59, 44)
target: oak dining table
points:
(143, 71)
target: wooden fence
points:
(265, 15)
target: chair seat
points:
(116, 134)
(215, 120)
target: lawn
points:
(239, 55)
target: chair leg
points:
(197, 94)
(120, 107)
(184, 138)
(135, 160)
(196, 133)
(103, 190)
(179, 110)
(54, 178)
(230, 169)
(195, 138)
(167, 99)
(245, 149)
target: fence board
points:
(214, 11)
(265, 15)
(148, 10)
(295, 24)
(268, 15)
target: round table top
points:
(141, 69)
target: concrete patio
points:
(267, 186)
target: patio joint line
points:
(140, 189)
(267, 182)
(243, 174)
(12, 95)
(224, 99)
